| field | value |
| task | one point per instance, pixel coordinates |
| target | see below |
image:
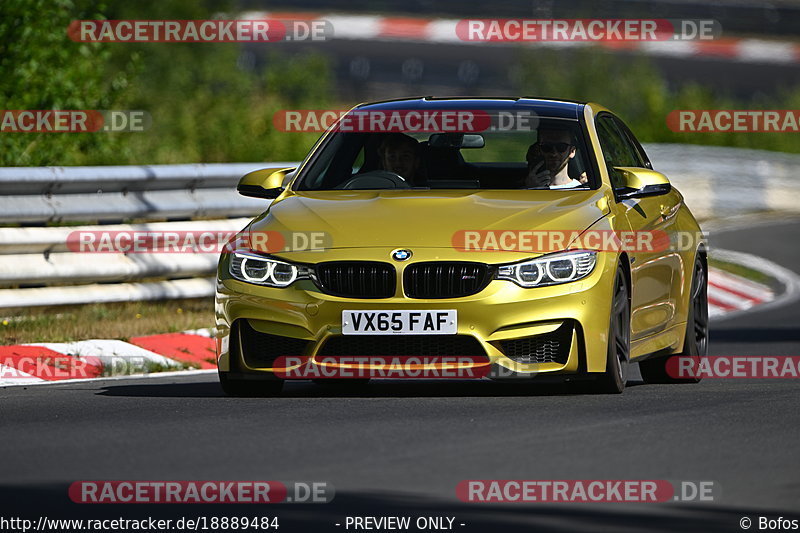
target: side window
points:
(343, 154)
(358, 164)
(617, 150)
(634, 144)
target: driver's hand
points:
(538, 176)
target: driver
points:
(548, 160)
(399, 153)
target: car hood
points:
(426, 219)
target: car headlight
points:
(550, 269)
(261, 270)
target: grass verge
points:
(740, 270)
(121, 320)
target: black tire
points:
(695, 343)
(613, 380)
(250, 388)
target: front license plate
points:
(428, 322)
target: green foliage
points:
(204, 107)
(638, 93)
(41, 68)
(208, 104)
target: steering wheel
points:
(377, 179)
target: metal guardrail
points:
(60, 194)
(37, 269)
(719, 181)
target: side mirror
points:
(266, 183)
(641, 182)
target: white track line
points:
(715, 312)
(178, 373)
(785, 277)
(728, 298)
(108, 351)
(11, 376)
(203, 332)
(737, 284)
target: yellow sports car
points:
(502, 238)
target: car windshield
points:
(548, 153)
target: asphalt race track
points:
(399, 448)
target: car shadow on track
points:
(374, 389)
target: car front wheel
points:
(613, 380)
(695, 344)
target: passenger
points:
(548, 160)
(399, 153)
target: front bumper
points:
(502, 321)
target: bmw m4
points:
(532, 237)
